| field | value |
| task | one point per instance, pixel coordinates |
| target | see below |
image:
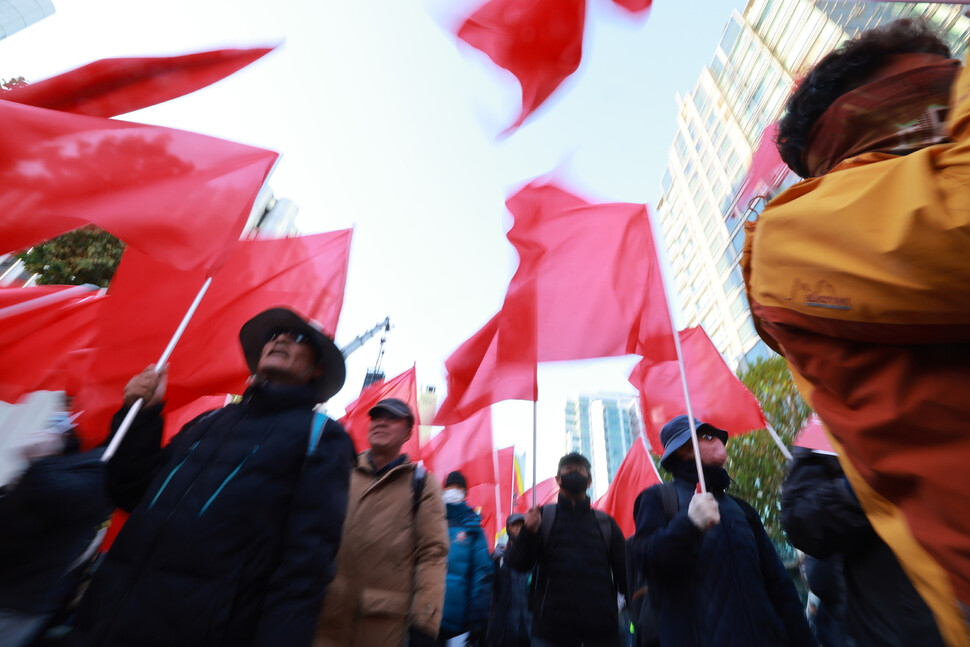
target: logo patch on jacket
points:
(461, 536)
(823, 295)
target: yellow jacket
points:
(861, 280)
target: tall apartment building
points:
(706, 199)
(19, 14)
(602, 427)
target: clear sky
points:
(387, 124)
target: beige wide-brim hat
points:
(252, 337)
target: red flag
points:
(546, 492)
(812, 436)
(539, 41)
(357, 420)
(479, 374)
(598, 286)
(634, 6)
(114, 86)
(636, 474)
(507, 480)
(481, 498)
(180, 197)
(767, 168)
(48, 347)
(147, 300)
(716, 394)
(464, 446)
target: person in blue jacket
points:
(468, 586)
(234, 524)
(714, 576)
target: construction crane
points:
(375, 374)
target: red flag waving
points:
(599, 290)
(146, 302)
(539, 41)
(46, 347)
(479, 374)
(180, 197)
(636, 474)
(357, 420)
(716, 394)
(812, 436)
(546, 492)
(464, 446)
(114, 86)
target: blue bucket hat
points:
(676, 433)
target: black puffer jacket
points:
(823, 518)
(578, 579)
(233, 531)
(47, 521)
(725, 587)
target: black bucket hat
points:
(252, 338)
(676, 433)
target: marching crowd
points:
(259, 524)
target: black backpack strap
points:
(668, 499)
(548, 520)
(417, 486)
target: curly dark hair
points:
(842, 70)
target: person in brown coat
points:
(393, 558)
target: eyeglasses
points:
(705, 435)
(295, 336)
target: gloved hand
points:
(417, 638)
(703, 511)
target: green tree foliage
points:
(85, 255)
(754, 461)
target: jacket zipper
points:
(226, 481)
(172, 473)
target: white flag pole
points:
(39, 302)
(535, 442)
(136, 407)
(690, 411)
(781, 446)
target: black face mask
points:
(574, 483)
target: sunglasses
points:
(705, 435)
(295, 336)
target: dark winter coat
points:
(823, 518)
(233, 530)
(726, 587)
(509, 619)
(47, 521)
(578, 578)
(468, 585)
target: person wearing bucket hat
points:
(235, 523)
(711, 571)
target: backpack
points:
(549, 511)
(417, 482)
(643, 615)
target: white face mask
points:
(453, 495)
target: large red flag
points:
(114, 86)
(596, 276)
(180, 197)
(357, 420)
(146, 302)
(479, 374)
(812, 436)
(539, 41)
(43, 347)
(717, 396)
(466, 447)
(546, 492)
(481, 498)
(636, 474)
